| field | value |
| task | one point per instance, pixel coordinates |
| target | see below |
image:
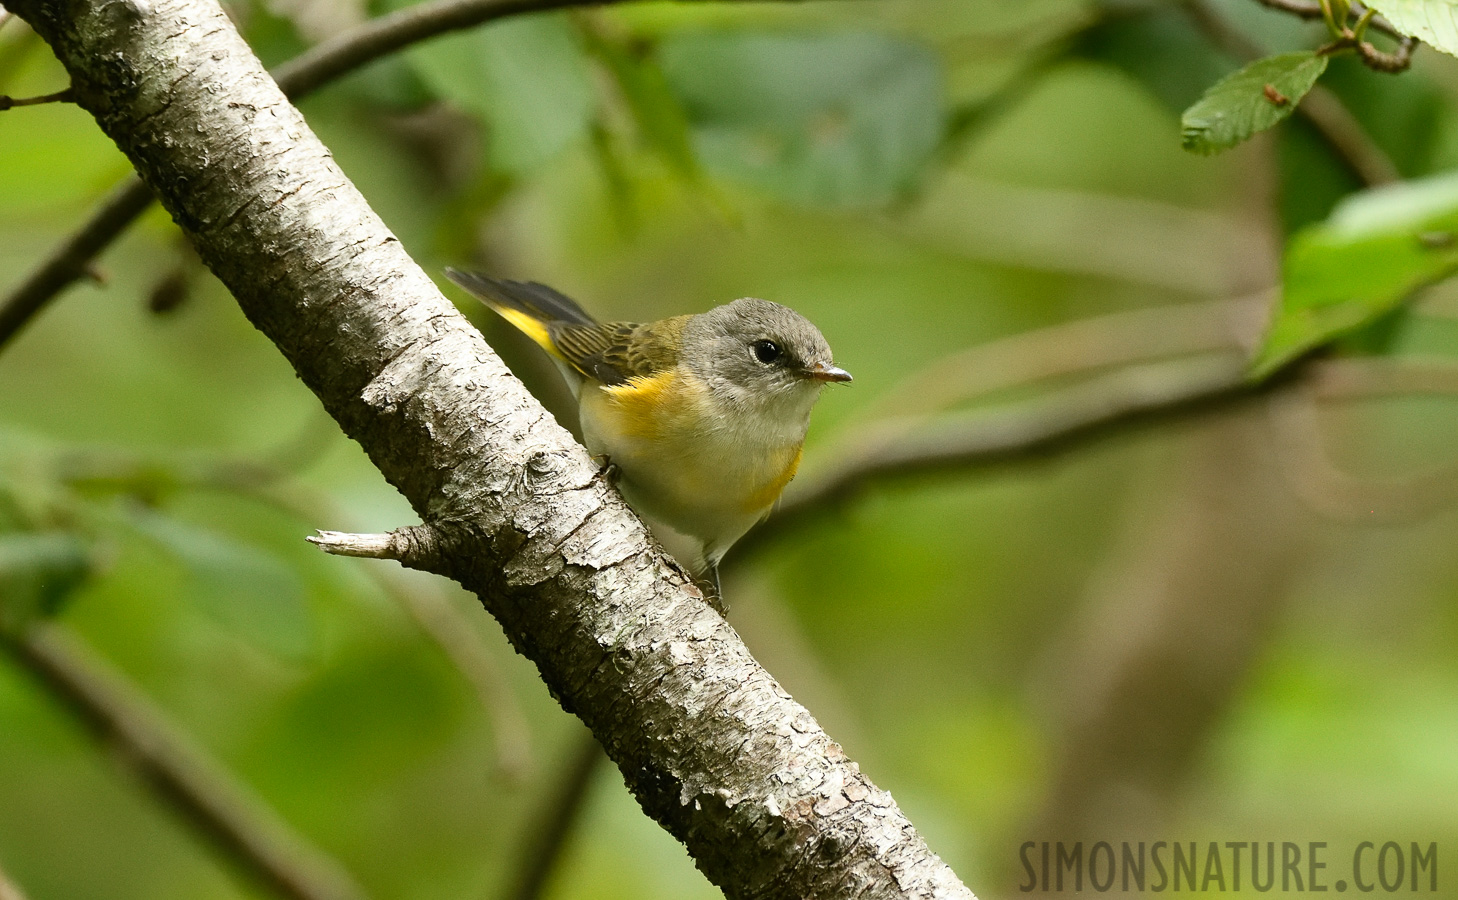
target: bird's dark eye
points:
(767, 352)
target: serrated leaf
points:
(1250, 100)
(832, 119)
(1374, 252)
(243, 587)
(37, 572)
(524, 77)
(1434, 22)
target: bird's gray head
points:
(757, 353)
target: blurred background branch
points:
(545, 839)
(1134, 704)
(238, 825)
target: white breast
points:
(700, 476)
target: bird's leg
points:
(607, 468)
(716, 600)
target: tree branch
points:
(710, 745)
(7, 102)
(242, 828)
(1204, 577)
(70, 261)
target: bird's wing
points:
(516, 299)
(617, 352)
(608, 352)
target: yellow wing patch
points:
(531, 327)
(649, 408)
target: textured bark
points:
(709, 743)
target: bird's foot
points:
(607, 468)
(714, 591)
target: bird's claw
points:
(607, 468)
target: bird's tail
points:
(531, 307)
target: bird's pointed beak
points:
(823, 372)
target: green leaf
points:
(1250, 100)
(244, 588)
(656, 110)
(1434, 22)
(38, 571)
(524, 77)
(831, 119)
(1374, 251)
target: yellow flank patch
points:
(532, 328)
(764, 498)
(648, 408)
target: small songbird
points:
(702, 417)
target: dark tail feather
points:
(536, 300)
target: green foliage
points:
(525, 78)
(1374, 252)
(245, 589)
(1435, 22)
(1160, 48)
(38, 571)
(1250, 100)
(656, 110)
(839, 119)
(912, 619)
(1404, 115)
(1313, 178)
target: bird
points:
(701, 418)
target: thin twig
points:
(7, 102)
(1398, 61)
(1310, 10)
(1321, 107)
(388, 34)
(549, 835)
(298, 77)
(69, 262)
(244, 829)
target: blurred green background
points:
(1235, 624)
